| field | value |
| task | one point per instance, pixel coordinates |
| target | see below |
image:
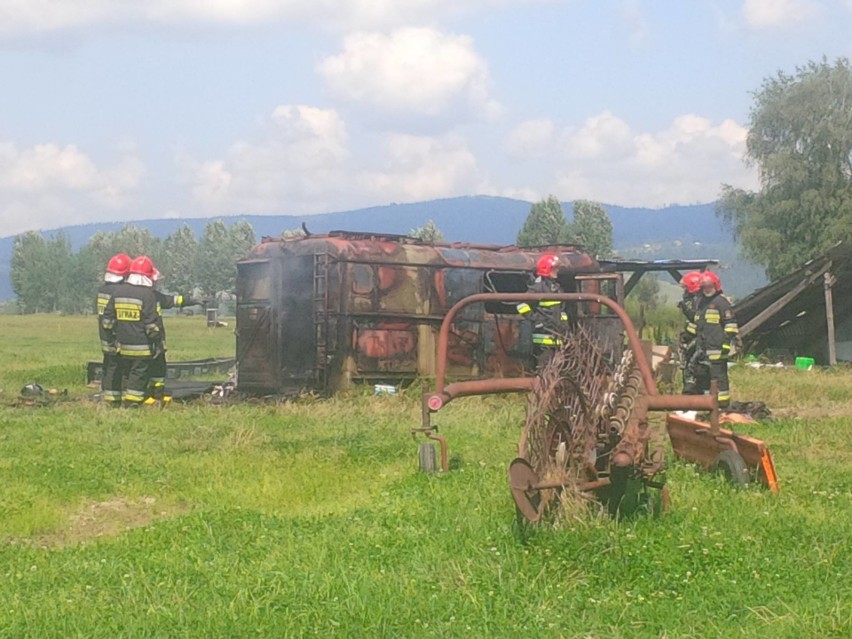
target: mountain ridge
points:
(476, 219)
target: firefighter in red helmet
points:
(690, 283)
(550, 319)
(131, 319)
(716, 328)
(157, 371)
(117, 269)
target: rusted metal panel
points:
(694, 441)
(322, 312)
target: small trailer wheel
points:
(428, 462)
(731, 464)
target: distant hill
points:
(480, 219)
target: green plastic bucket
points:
(804, 363)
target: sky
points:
(114, 110)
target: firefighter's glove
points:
(157, 348)
(193, 301)
(700, 357)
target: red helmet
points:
(691, 282)
(710, 276)
(546, 264)
(143, 265)
(119, 264)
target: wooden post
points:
(828, 282)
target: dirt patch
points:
(94, 520)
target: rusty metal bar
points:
(480, 387)
(439, 398)
(427, 429)
(584, 487)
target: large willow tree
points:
(800, 139)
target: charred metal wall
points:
(323, 312)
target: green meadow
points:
(310, 518)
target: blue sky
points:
(126, 109)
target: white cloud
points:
(304, 165)
(770, 14)
(411, 70)
(602, 137)
(607, 161)
(46, 186)
(301, 158)
(424, 168)
(20, 17)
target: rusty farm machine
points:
(587, 435)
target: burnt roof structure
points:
(638, 268)
(796, 315)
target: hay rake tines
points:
(581, 432)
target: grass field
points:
(309, 518)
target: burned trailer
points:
(323, 312)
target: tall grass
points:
(309, 518)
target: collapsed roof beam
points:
(756, 321)
(632, 282)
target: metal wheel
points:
(731, 464)
(521, 478)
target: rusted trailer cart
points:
(586, 430)
(742, 459)
(324, 312)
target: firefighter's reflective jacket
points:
(716, 326)
(105, 293)
(131, 319)
(549, 316)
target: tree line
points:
(547, 225)
(48, 276)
